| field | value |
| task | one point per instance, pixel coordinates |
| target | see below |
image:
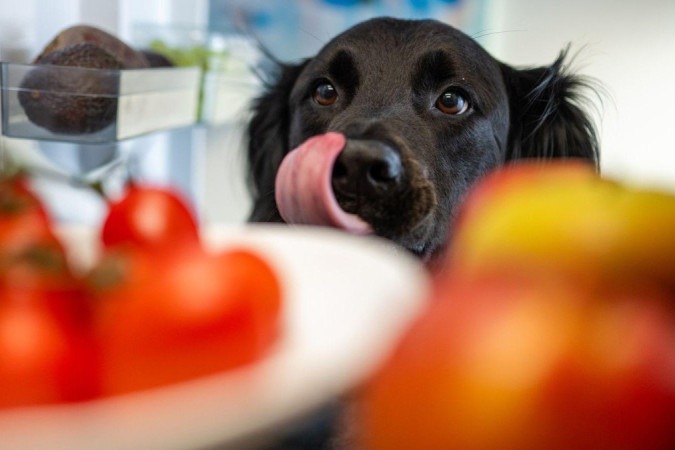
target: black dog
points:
(426, 112)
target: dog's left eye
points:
(452, 102)
(325, 94)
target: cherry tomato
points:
(16, 197)
(151, 218)
(175, 316)
(47, 353)
(42, 266)
(23, 219)
(31, 256)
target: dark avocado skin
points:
(81, 34)
(75, 102)
(156, 59)
(72, 102)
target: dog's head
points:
(425, 112)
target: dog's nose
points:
(366, 168)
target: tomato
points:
(23, 219)
(174, 316)
(16, 197)
(151, 218)
(157, 309)
(47, 354)
(30, 253)
(47, 351)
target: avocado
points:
(77, 101)
(72, 102)
(157, 59)
(128, 57)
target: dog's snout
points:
(368, 169)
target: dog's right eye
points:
(453, 102)
(325, 94)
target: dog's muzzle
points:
(363, 186)
(366, 171)
(303, 186)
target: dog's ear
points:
(548, 119)
(268, 141)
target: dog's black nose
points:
(366, 169)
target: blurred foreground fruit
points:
(525, 364)
(552, 324)
(565, 218)
(158, 307)
(46, 352)
(23, 219)
(169, 317)
(152, 218)
(168, 310)
(31, 256)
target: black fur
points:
(547, 115)
(388, 74)
(268, 142)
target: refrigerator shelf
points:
(95, 106)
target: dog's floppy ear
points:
(548, 119)
(268, 141)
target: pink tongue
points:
(303, 186)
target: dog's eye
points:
(452, 102)
(325, 94)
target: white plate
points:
(347, 301)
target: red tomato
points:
(47, 354)
(151, 218)
(16, 197)
(23, 219)
(172, 317)
(31, 256)
(41, 266)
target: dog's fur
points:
(388, 75)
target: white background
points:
(629, 46)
